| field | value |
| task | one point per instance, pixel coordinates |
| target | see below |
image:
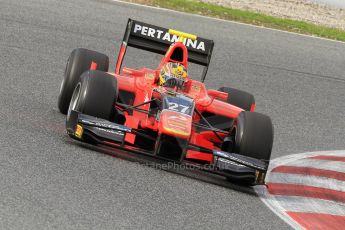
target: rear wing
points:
(158, 39)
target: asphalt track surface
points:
(49, 181)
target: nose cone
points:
(175, 124)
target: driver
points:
(173, 75)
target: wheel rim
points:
(61, 86)
(74, 100)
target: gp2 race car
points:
(164, 113)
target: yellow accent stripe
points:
(79, 131)
(172, 130)
(182, 34)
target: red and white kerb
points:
(307, 190)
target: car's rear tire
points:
(253, 137)
(235, 97)
(95, 94)
(79, 61)
(239, 98)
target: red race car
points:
(164, 113)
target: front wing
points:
(102, 132)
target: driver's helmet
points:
(173, 75)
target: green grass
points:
(195, 7)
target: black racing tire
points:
(239, 98)
(95, 94)
(236, 97)
(254, 135)
(253, 138)
(78, 62)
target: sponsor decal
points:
(175, 123)
(196, 88)
(164, 35)
(149, 76)
(231, 162)
(106, 125)
(238, 160)
(111, 131)
(87, 122)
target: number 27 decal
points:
(179, 108)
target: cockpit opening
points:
(177, 55)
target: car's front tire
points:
(95, 94)
(253, 137)
(79, 61)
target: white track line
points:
(293, 157)
(319, 164)
(321, 182)
(295, 204)
(223, 20)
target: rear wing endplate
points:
(158, 39)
